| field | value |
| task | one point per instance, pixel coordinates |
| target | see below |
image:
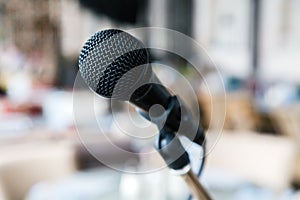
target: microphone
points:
(115, 64)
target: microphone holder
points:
(172, 151)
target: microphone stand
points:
(174, 154)
(170, 148)
(195, 186)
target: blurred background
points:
(254, 43)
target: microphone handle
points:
(150, 94)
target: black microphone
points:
(116, 65)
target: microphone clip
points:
(168, 122)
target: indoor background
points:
(255, 45)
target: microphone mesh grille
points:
(107, 56)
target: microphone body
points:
(110, 55)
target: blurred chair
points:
(23, 165)
(264, 160)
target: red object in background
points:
(29, 108)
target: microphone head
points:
(109, 55)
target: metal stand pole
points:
(198, 191)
